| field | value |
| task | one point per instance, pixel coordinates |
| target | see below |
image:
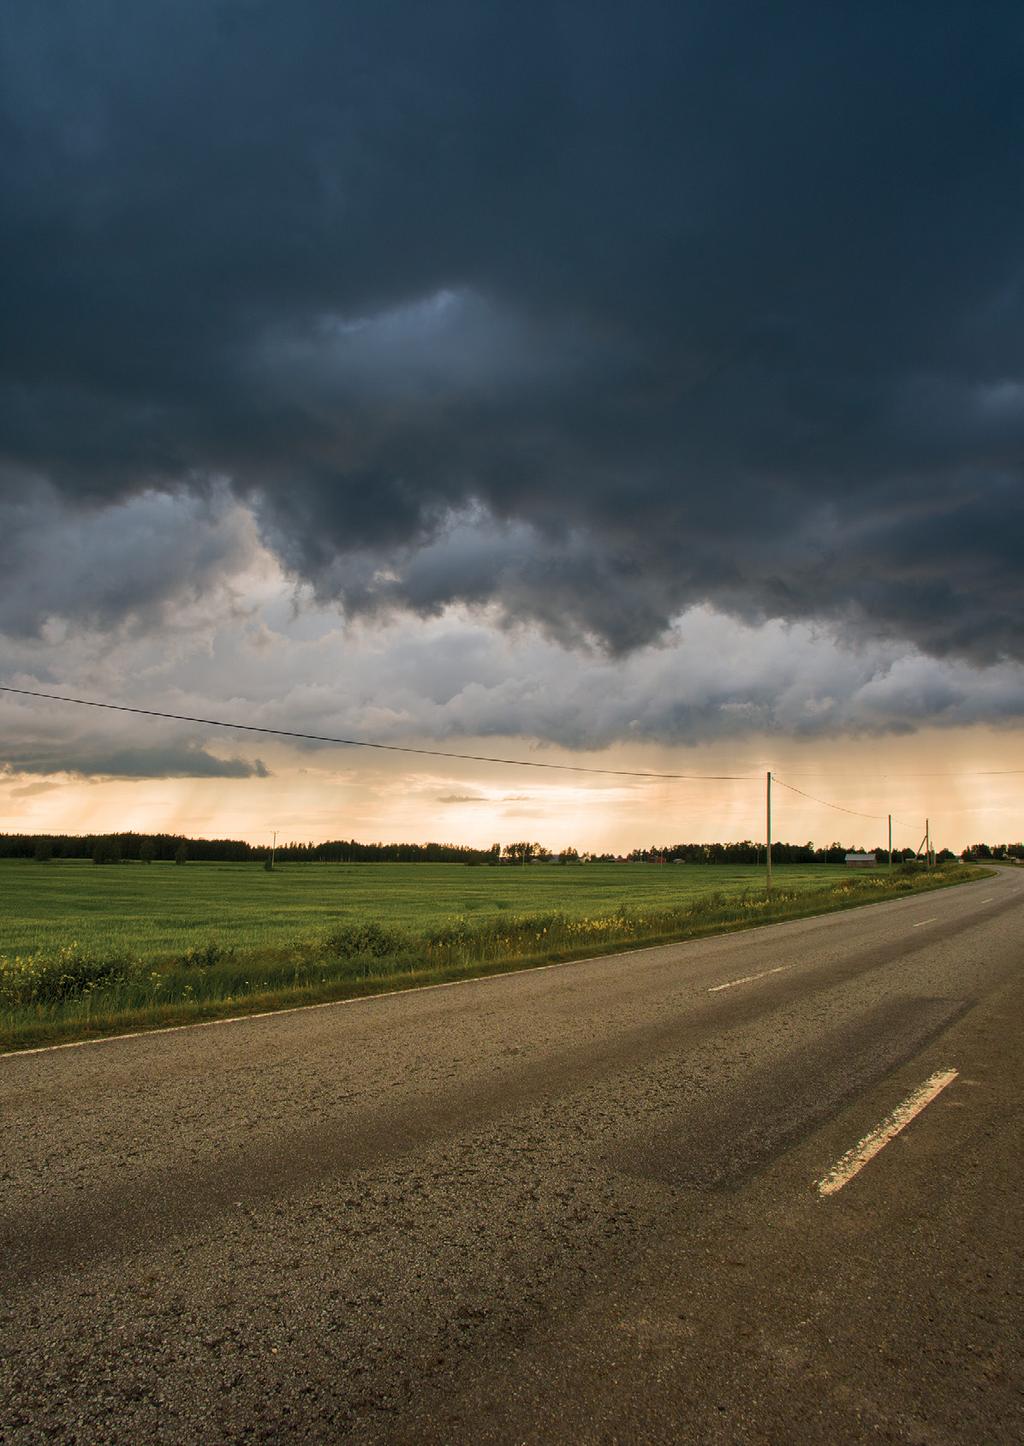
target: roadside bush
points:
(458, 940)
(204, 956)
(455, 935)
(710, 903)
(69, 973)
(365, 940)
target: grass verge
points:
(71, 993)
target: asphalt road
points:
(573, 1204)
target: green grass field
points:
(87, 950)
(162, 909)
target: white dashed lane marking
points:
(843, 1171)
(748, 978)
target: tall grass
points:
(73, 991)
(160, 910)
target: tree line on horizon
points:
(130, 847)
(749, 852)
(177, 848)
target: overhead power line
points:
(983, 773)
(384, 747)
(824, 802)
(841, 808)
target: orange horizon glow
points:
(933, 774)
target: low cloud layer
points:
(46, 739)
(588, 318)
(440, 681)
(100, 761)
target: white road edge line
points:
(925, 921)
(843, 1171)
(749, 978)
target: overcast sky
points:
(636, 385)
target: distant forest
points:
(174, 848)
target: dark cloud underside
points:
(595, 311)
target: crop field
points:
(88, 950)
(163, 909)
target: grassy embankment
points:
(87, 951)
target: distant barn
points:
(860, 861)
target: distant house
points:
(860, 861)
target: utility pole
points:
(768, 833)
(890, 843)
(928, 842)
(273, 849)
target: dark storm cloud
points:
(136, 565)
(594, 311)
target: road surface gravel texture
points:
(571, 1204)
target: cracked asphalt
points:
(571, 1204)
